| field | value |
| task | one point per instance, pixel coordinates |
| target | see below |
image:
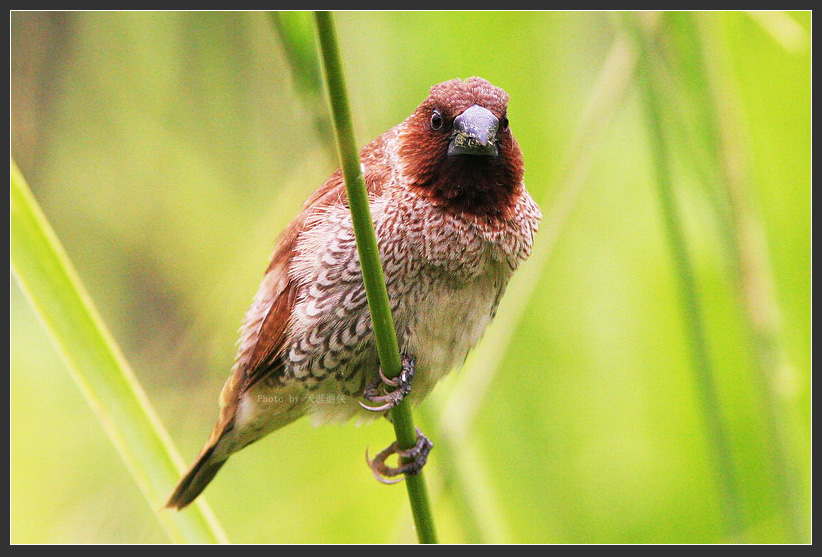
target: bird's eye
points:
(503, 123)
(436, 119)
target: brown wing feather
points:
(263, 358)
(273, 331)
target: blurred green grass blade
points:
(53, 289)
(752, 273)
(703, 113)
(704, 374)
(782, 28)
(296, 33)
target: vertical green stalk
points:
(55, 292)
(697, 340)
(377, 294)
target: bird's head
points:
(457, 148)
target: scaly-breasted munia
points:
(453, 222)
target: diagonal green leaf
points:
(54, 290)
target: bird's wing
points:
(266, 329)
(267, 340)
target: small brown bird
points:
(453, 222)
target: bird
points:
(453, 221)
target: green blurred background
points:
(169, 149)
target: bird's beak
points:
(475, 133)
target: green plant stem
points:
(377, 294)
(53, 288)
(697, 341)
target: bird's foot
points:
(401, 387)
(411, 460)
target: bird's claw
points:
(401, 385)
(411, 460)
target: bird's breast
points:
(444, 275)
(447, 322)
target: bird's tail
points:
(228, 436)
(197, 478)
(215, 453)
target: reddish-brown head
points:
(458, 150)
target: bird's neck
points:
(476, 186)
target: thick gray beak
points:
(475, 133)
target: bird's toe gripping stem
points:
(401, 386)
(411, 460)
